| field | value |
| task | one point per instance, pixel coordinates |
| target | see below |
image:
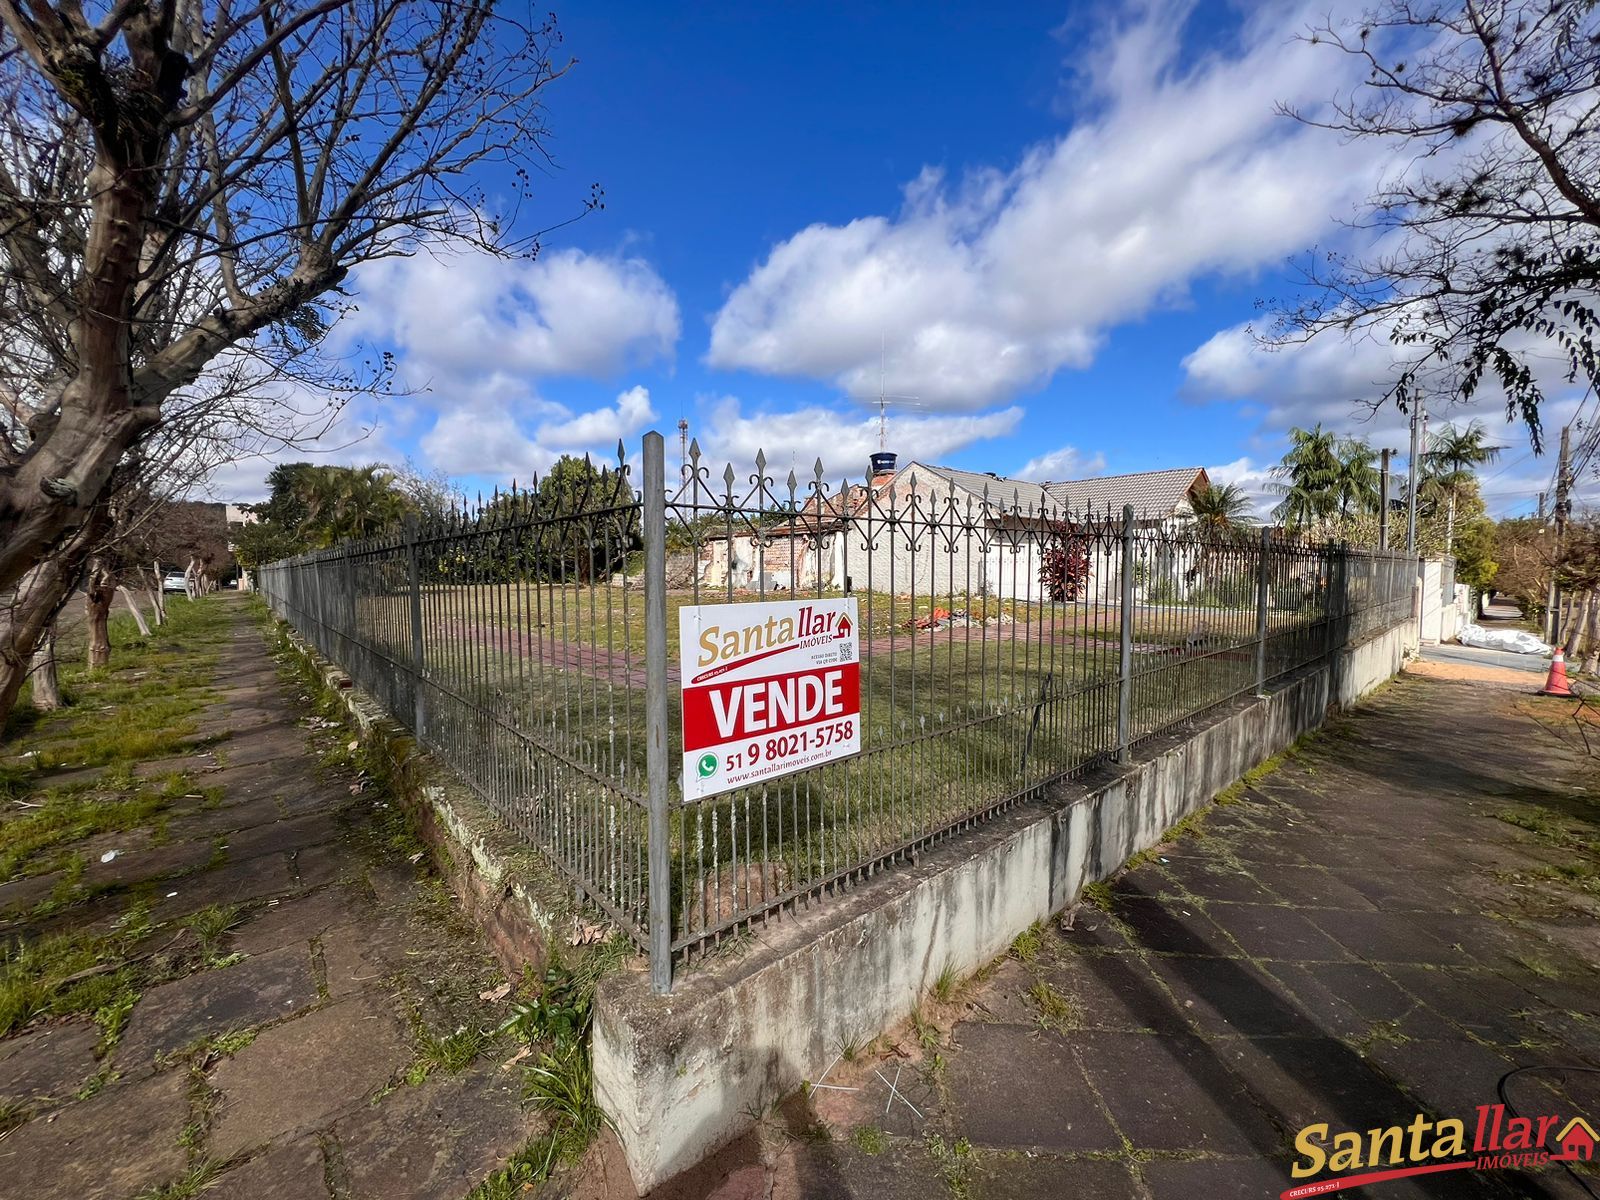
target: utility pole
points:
(1563, 509)
(1419, 416)
(1383, 503)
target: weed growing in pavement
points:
(1055, 1010)
(12, 1114)
(954, 1160)
(75, 972)
(451, 1053)
(561, 1084)
(198, 1178)
(211, 924)
(869, 1139)
(1098, 894)
(945, 986)
(927, 1033)
(1028, 943)
(59, 816)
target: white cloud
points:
(487, 440)
(1066, 463)
(484, 441)
(564, 313)
(984, 288)
(842, 440)
(604, 426)
(1253, 478)
(1335, 383)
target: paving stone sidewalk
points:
(1389, 923)
(288, 1057)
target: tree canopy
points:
(1481, 251)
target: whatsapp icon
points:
(708, 765)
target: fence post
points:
(1262, 574)
(1125, 675)
(654, 514)
(419, 665)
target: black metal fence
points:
(1003, 643)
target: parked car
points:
(173, 581)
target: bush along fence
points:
(1004, 643)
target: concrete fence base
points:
(681, 1075)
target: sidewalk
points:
(1400, 914)
(283, 988)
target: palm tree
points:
(1358, 483)
(1311, 471)
(1451, 463)
(350, 502)
(1219, 511)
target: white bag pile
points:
(1518, 641)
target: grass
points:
(155, 685)
(140, 707)
(1055, 1010)
(927, 1033)
(1028, 943)
(561, 1087)
(947, 984)
(12, 1114)
(1547, 827)
(451, 1053)
(954, 1161)
(198, 1178)
(211, 924)
(226, 1045)
(1098, 894)
(30, 841)
(869, 1139)
(76, 972)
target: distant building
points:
(991, 532)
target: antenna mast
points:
(883, 398)
(683, 448)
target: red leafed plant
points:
(1064, 565)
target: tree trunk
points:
(97, 604)
(1577, 620)
(1591, 656)
(46, 685)
(39, 597)
(158, 595)
(138, 617)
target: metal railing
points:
(1005, 642)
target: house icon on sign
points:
(843, 628)
(1577, 1141)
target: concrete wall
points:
(681, 1074)
(1442, 614)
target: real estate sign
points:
(768, 689)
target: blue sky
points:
(1052, 222)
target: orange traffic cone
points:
(1556, 685)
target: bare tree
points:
(184, 187)
(1486, 242)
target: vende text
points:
(727, 712)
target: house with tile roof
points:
(1006, 526)
(933, 530)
